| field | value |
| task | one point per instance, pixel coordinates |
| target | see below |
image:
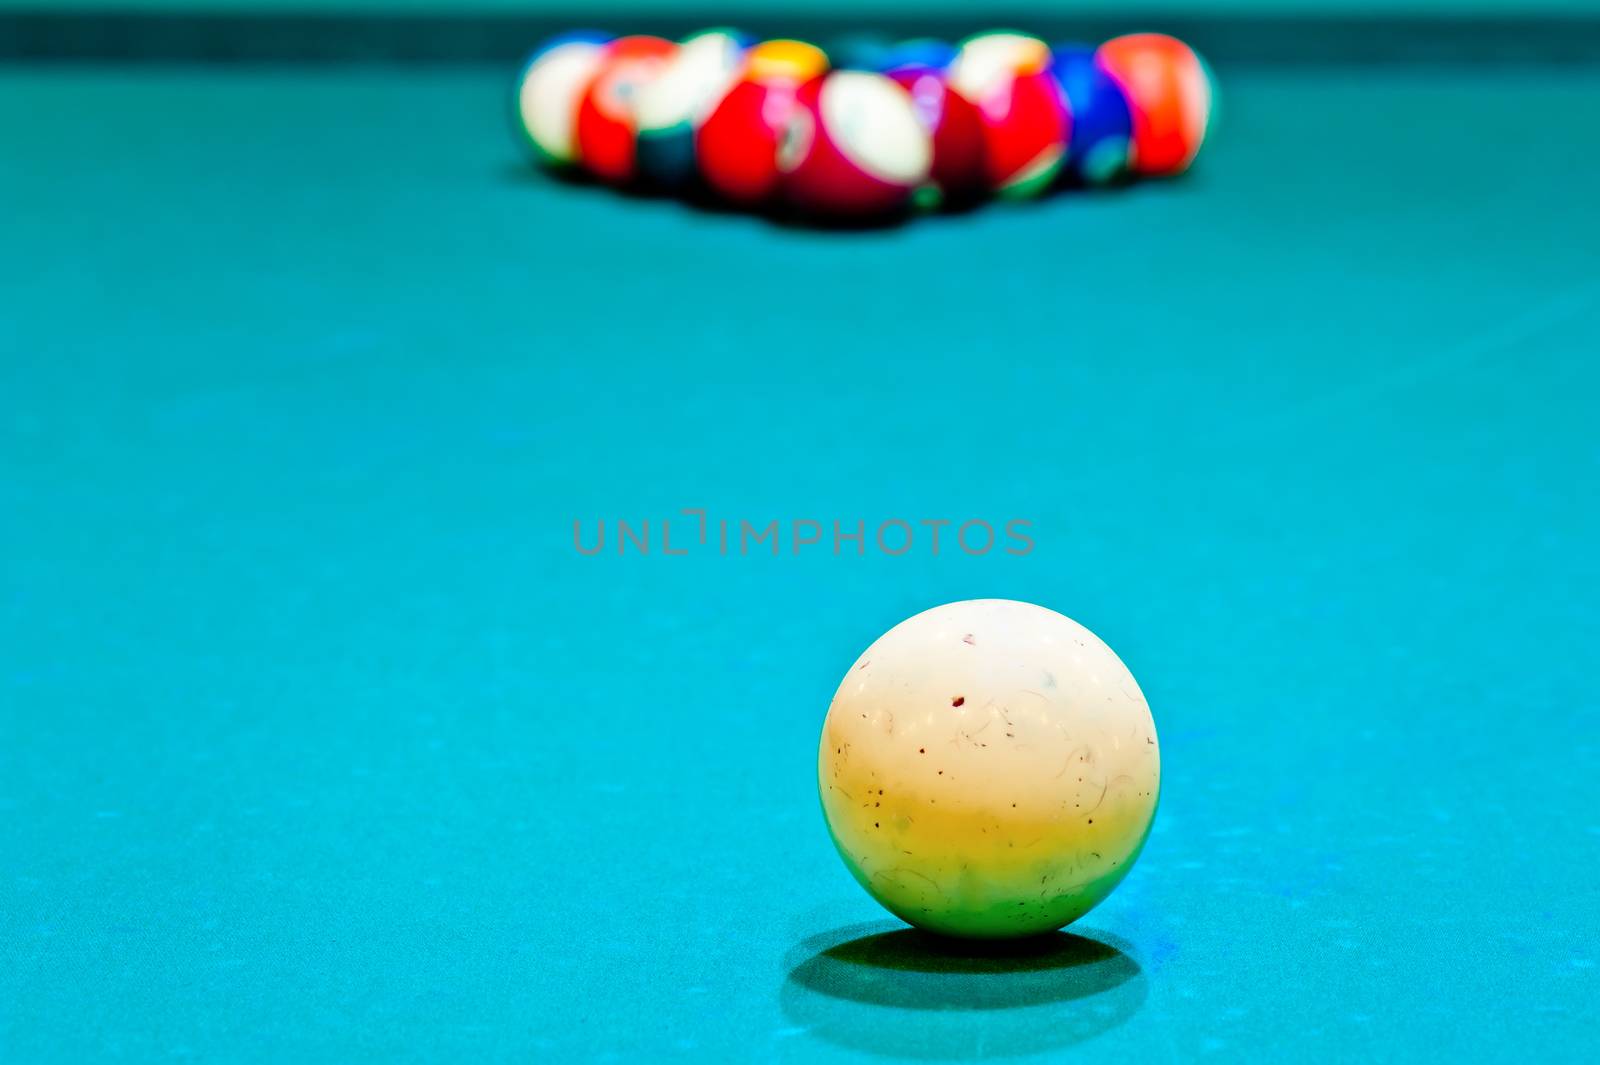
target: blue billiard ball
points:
(1100, 150)
(858, 51)
(920, 53)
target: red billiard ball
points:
(854, 146)
(1026, 121)
(606, 126)
(736, 146)
(959, 170)
(1169, 94)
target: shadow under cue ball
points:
(989, 769)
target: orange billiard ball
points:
(1169, 94)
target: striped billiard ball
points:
(607, 129)
(547, 90)
(855, 147)
(1026, 123)
(671, 106)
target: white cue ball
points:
(989, 769)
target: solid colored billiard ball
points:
(859, 51)
(958, 172)
(1102, 126)
(673, 104)
(854, 146)
(989, 769)
(607, 128)
(1025, 117)
(548, 88)
(737, 145)
(918, 53)
(1169, 94)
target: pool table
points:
(322, 739)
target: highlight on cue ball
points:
(989, 769)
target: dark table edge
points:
(266, 37)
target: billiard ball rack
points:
(867, 130)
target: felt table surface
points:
(319, 740)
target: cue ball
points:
(989, 769)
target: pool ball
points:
(859, 51)
(547, 91)
(958, 172)
(607, 132)
(670, 106)
(854, 146)
(1102, 126)
(1169, 94)
(918, 53)
(989, 769)
(737, 145)
(1025, 118)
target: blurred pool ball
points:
(958, 173)
(1170, 95)
(864, 50)
(922, 53)
(670, 106)
(1026, 123)
(1101, 145)
(854, 147)
(736, 146)
(607, 128)
(547, 90)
